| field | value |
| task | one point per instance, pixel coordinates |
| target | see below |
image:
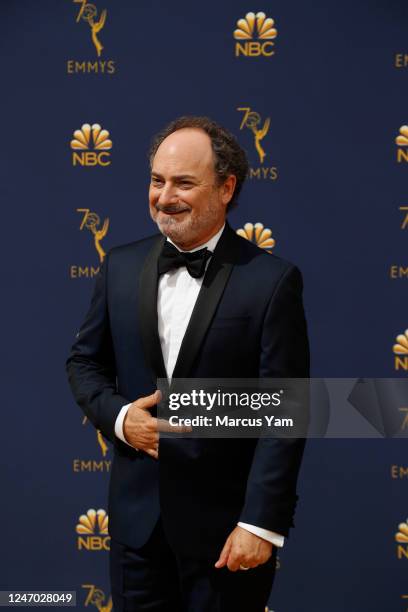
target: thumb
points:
(222, 561)
(145, 403)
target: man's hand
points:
(244, 548)
(141, 430)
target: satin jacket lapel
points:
(148, 312)
(215, 279)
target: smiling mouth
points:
(170, 211)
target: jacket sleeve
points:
(91, 363)
(271, 487)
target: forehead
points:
(187, 150)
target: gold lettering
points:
(254, 48)
(89, 67)
(404, 419)
(106, 543)
(402, 155)
(83, 543)
(399, 471)
(78, 157)
(265, 46)
(82, 465)
(402, 551)
(103, 156)
(405, 221)
(254, 173)
(401, 362)
(241, 49)
(93, 543)
(91, 158)
(263, 172)
(83, 271)
(96, 543)
(401, 60)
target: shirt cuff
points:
(275, 538)
(119, 425)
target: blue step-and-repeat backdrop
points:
(317, 94)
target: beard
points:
(190, 229)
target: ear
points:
(227, 189)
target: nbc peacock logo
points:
(402, 143)
(255, 35)
(401, 538)
(258, 234)
(92, 530)
(90, 146)
(400, 350)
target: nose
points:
(168, 194)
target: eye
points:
(185, 184)
(156, 181)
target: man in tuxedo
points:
(194, 523)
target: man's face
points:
(185, 199)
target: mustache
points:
(171, 208)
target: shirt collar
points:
(210, 245)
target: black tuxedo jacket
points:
(248, 321)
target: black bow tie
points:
(171, 258)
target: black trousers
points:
(154, 578)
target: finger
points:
(147, 402)
(152, 452)
(222, 561)
(234, 562)
(164, 426)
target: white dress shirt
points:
(176, 297)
